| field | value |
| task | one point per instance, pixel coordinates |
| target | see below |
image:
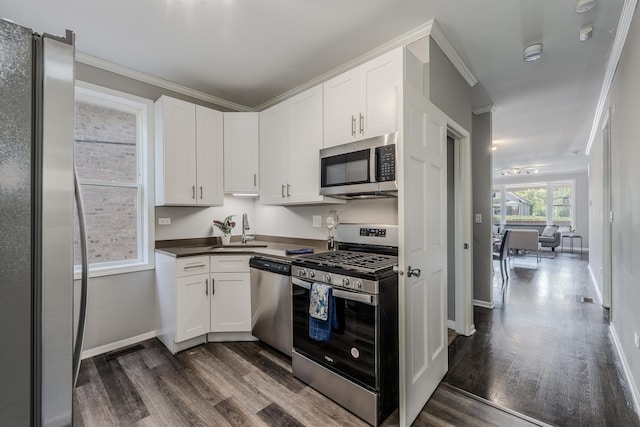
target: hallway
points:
(544, 351)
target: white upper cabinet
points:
(241, 133)
(188, 153)
(290, 141)
(362, 103)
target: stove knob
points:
(327, 278)
(312, 273)
(357, 284)
(345, 282)
(302, 273)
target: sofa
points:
(552, 240)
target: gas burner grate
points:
(356, 261)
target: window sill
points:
(111, 270)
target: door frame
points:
(463, 225)
(606, 213)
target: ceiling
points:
(251, 51)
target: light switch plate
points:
(317, 221)
(164, 221)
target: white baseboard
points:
(595, 284)
(118, 344)
(635, 394)
(483, 304)
(451, 324)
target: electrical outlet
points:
(478, 218)
(164, 221)
(636, 339)
(317, 221)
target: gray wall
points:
(447, 88)
(482, 165)
(115, 81)
(625, 152)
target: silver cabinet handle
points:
(213, 286)
(361, 124)
(413, 272)
(255, 180)
(201, 192)
(193, 191)
(353, 125)
(288, 190)
(206, 286)
(282, 190)
(194, 266)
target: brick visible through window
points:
(107, 165)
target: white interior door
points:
(423, 226)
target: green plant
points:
(571, 229)
(225, 226)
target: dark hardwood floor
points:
(543, 351)
(237, 384)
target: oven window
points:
(345, 169)
(351, 350)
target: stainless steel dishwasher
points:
(271, 302)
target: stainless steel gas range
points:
(358, 365)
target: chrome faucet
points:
(245, 227)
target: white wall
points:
(296, 221)
(581, 209)
(625, 176)
(192, 222)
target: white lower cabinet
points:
(203, 298)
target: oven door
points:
(352, 349)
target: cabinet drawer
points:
(192, 265)
(230, 263)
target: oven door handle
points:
(351, 296)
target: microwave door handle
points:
(373, 161)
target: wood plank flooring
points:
(236, 384)
(542, 351)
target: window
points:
(562, 205)
(496, 205)
(534, 204)
(112, 152)
(526, 205)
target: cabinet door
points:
(241, 152)
(210, 157)
(274, 156)
(341, 109)
(304, 146)
(175, 152)
(192, 306)
(380, 81)
(230, 302)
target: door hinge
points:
(466, 246)
(611, 217)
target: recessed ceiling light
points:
(532, 52)
(585, 5)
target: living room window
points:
(112, 152)
(537, 204)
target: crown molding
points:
(156, 81)
(439, 37)
(484, 109)
(429, 28)
(624, 25)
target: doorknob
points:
(413, 272)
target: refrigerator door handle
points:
(77, 350)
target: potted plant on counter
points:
(225, 226)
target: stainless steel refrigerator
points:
(38, 361)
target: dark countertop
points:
(262, 246)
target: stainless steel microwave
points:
(360, 169)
